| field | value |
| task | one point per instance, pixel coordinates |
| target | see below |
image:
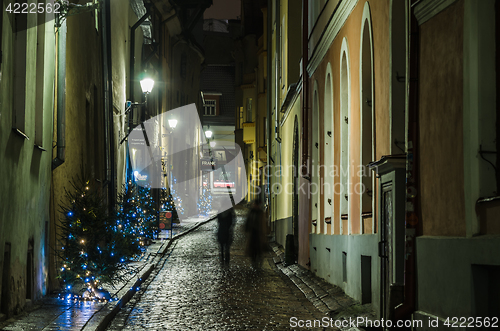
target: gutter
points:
(108, 104)
(404, 310)
(305, 92)
(132, 49)
(269, 100)
(61, 95)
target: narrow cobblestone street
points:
(193, 291)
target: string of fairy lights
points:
(96, 245)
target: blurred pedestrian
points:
(255, 228)
(225, 234)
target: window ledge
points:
(40, 148)
(20, 133)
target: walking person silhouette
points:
(225, 234)
(255, 227)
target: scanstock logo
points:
(180, 158)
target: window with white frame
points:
(209, 108)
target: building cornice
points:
(337, 21)
(298, 90)
(427, 9)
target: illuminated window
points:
(241, 117)
(209, 108)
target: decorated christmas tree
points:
(137, 212)
(205, 201)
(168, 204)
(92, 244)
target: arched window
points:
(367, 105)
(328, 150)
(345, 97)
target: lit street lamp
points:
(172, 123)
(147, 85)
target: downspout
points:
(277, 21)
(108, 104)
(132, 49)
(61, 94)
(132, 75)
(305, 91)
(404, 311)
(269, 105)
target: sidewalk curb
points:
(101, 319)
(327, 298)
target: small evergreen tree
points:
(168, 204)
(136, 211)
(92, 245)
(205, 201)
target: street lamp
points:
(208, 133)
(147, 85)
(172, 123)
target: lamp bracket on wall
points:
(400, 79)
(129, 105)
(70, 9)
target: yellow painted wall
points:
(285, 199)
(25, 169)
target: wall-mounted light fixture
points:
(208, 133)
(147, 84)
(172, 123)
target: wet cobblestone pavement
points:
(193, 291)
(56, 314)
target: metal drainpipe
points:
(305, 90)
(278, 69)
(132, 49)
(131, 73)
(269, 105)
(108, 104)
(277, 90)
(404, 311)
(61, 95)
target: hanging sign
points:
(208, 164)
